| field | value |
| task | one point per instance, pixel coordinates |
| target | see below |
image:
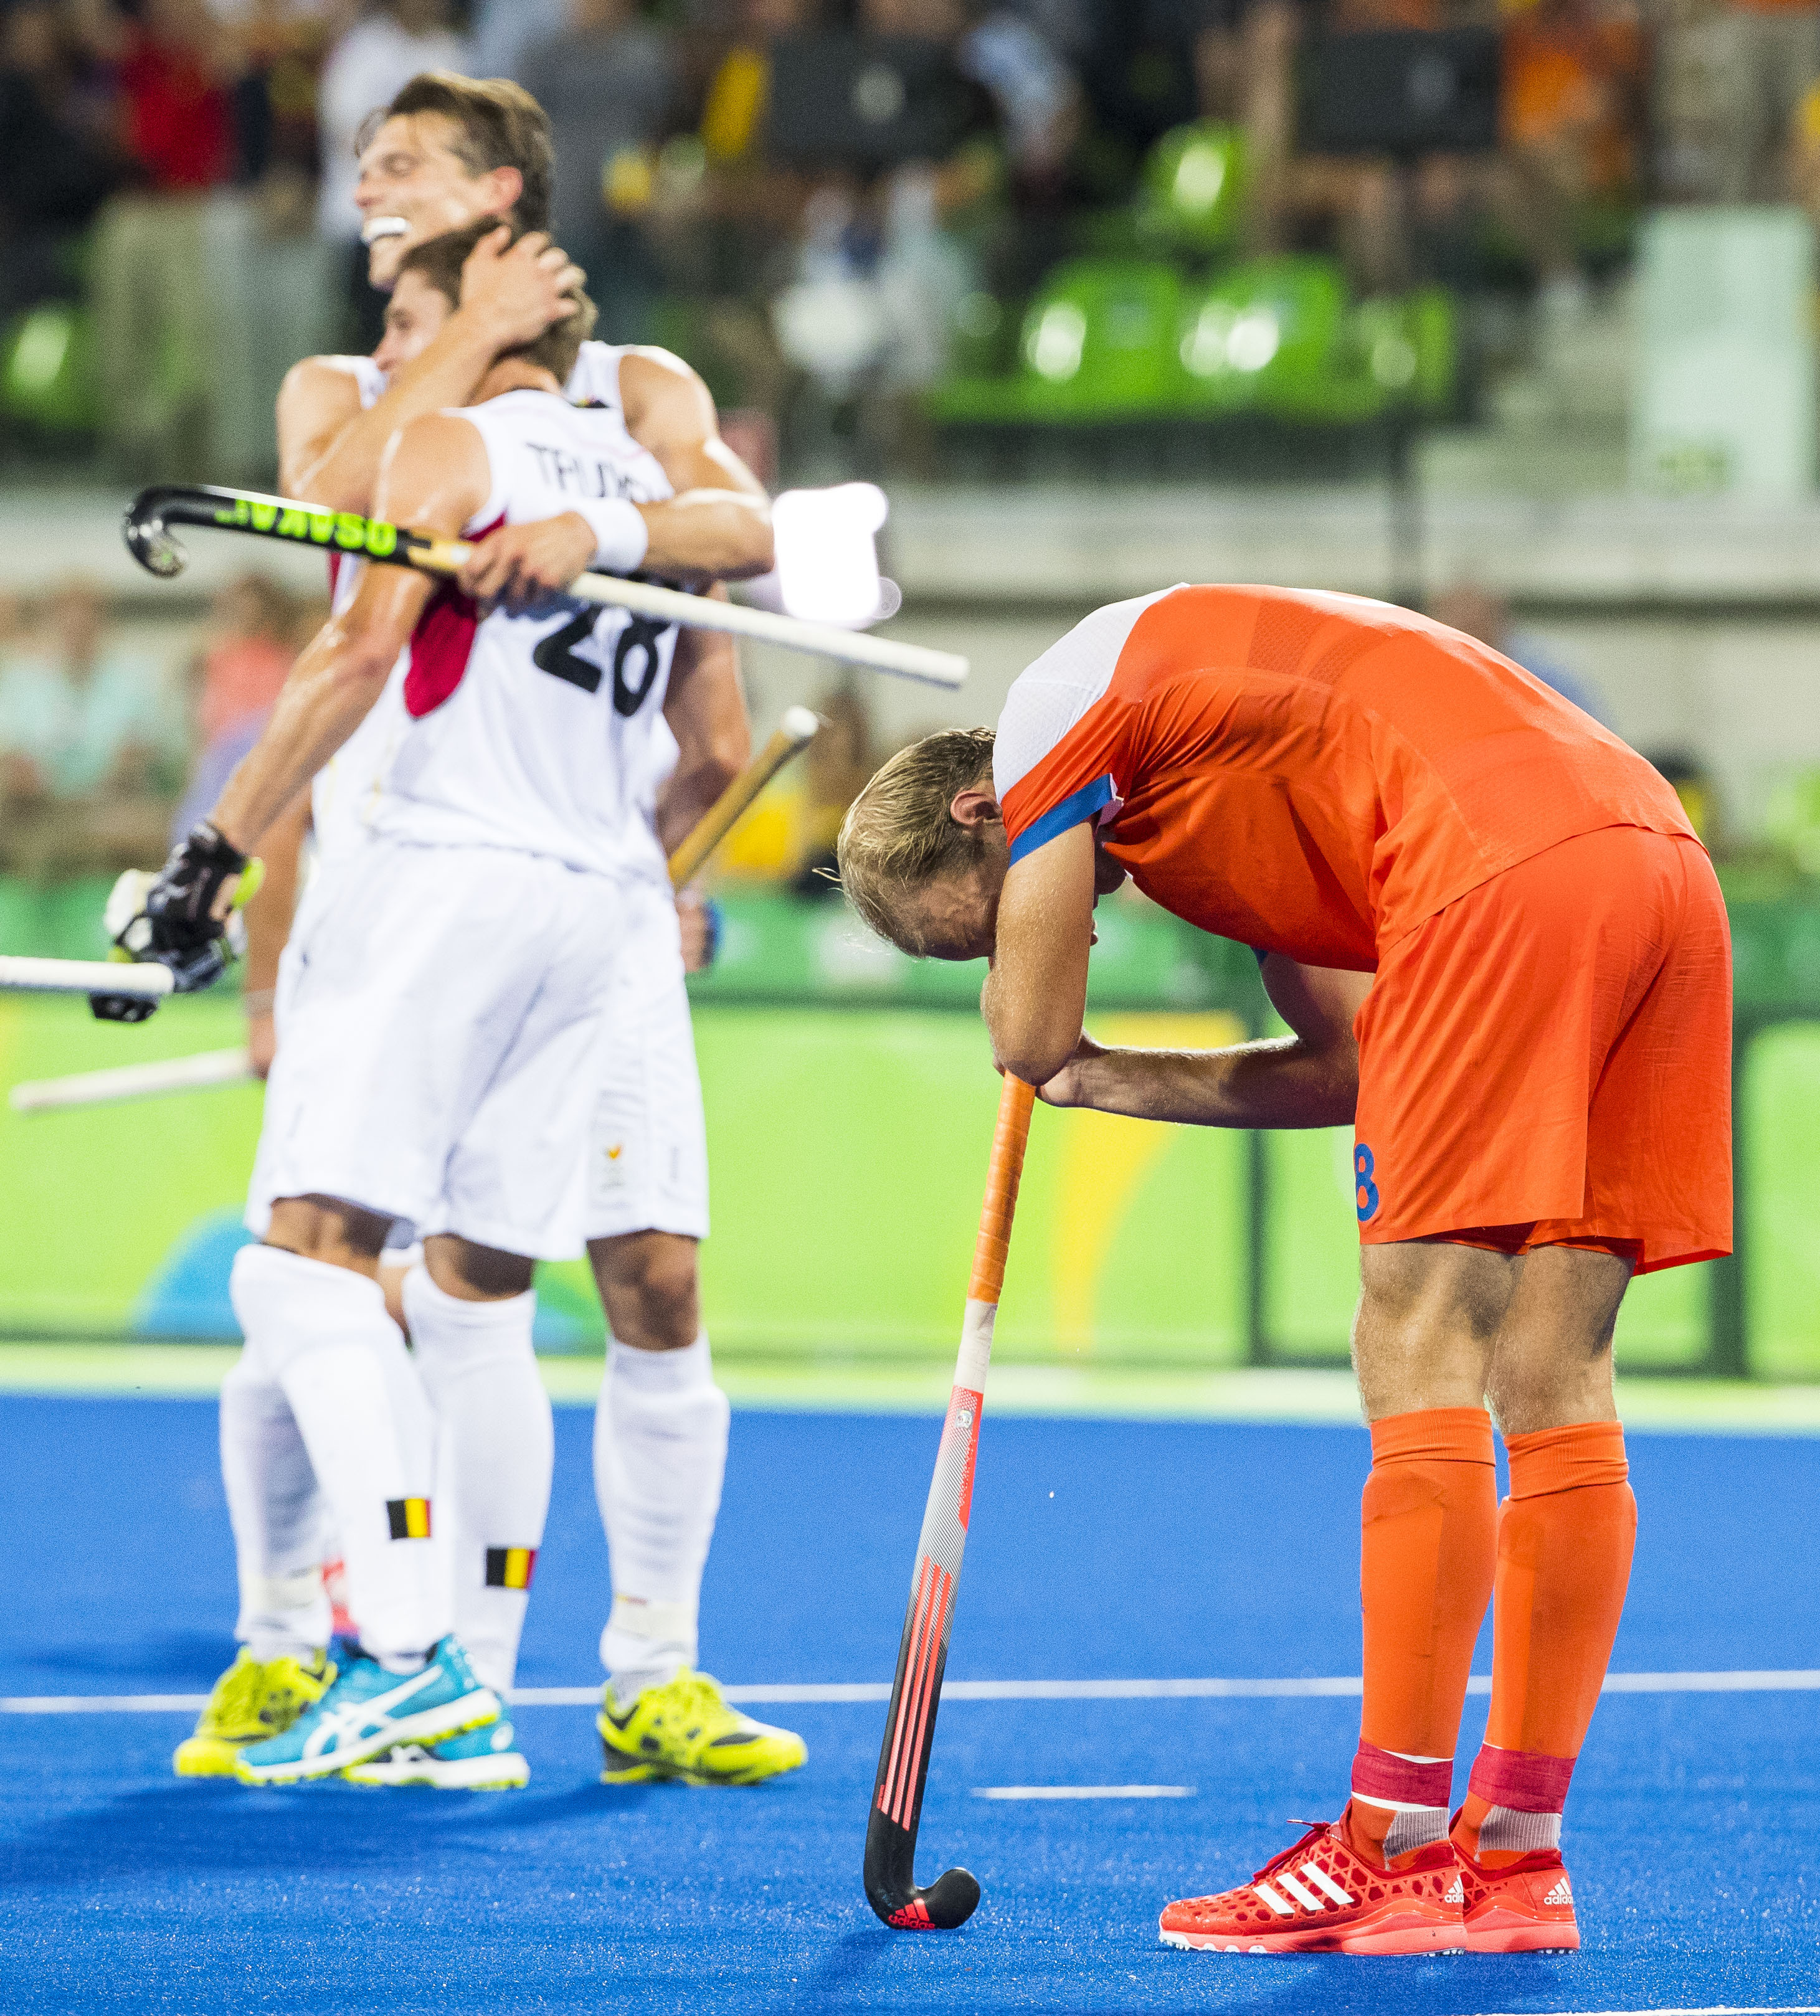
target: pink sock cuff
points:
(1382, 1774)
(1525, 1780)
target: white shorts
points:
(441, 1018)
(648, 1148)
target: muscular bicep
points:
(670, 411)
(315, 404)
(1319, 1002)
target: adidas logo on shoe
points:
(1456, 1892)
(1561, 1894)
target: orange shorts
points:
(1548, 1061)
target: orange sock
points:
(1430, 1522)
(1565, 1537)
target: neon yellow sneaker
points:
(686, 1729)
(249, 1703)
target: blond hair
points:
(900, 836)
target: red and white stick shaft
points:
(944, 1536)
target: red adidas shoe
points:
(1319, 1896)
(1527, 1906)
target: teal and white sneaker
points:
(484, 1760)
(369, 1711)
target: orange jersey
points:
(1308, 773)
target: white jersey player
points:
(422, 805)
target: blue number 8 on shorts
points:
(1366, 1193)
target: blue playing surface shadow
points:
(1166, 1550)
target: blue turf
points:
(1165, 1549)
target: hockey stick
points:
(212, 1068)
(107, 1088)
(916, 1692)
(85, 976)
(153, 511)
(796, 731)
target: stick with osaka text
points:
(153, 512)
(915, 1692)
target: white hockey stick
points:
(83, 976)
(105, 1088)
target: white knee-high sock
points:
(275, 1510)
(321, 1333)
(660, 1454)
(496, 1453)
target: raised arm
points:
(436, 476)
(330, 448)
(1308, 1078)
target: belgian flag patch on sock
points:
(409, 1517)
(510, 1567)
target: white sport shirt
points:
(344, 797)
(538, 732)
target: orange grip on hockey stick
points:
(1003, 1171)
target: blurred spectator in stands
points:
(282, 44)
(1572, 115)
(235, 680)
(245, 664)
(370, 64)
(503, 30)
(609, 82)
(58, 160)
(725, 215)
(1731, 76)
(174, 66)
(1481, 613)
(92, 744)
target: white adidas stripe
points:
(1322, 1881)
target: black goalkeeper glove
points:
(177, 927)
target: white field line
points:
(1083, 1792)
(849, 1692)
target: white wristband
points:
(621, 535)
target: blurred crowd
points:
(110, 744)
(769, 247)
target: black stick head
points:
(948, 1903)
(148, 539)
(893, 1892)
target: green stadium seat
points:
(47, 369)
(1096, 345)
(1270, 336)
(1192, 194)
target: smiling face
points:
(414, 184)
(414, 313)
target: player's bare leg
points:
(660, 1454)
(1440, 1327)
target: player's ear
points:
(974, 806)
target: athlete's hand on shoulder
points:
(520, 564)
(518, 291)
